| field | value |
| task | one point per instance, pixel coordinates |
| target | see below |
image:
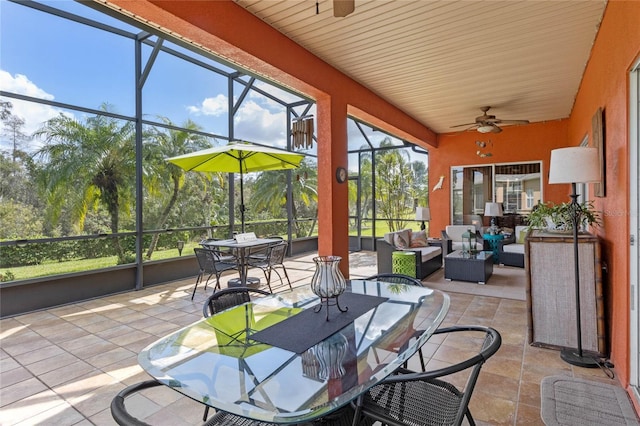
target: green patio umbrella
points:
(238, 157)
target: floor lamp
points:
(575, 165)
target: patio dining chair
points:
(410, 398)
(118, 408)
(212, 262)
(340, 417)
(400, 279)
(273, 259)
(225, 299)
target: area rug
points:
(572, 401)
(506, 282)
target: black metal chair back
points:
(395, 278)
(228, 298)
(273, 258)
(212, 262)
(410, 398)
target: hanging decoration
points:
(482, 145)
(302, 132)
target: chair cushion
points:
(513, 248)
(455, 231)
(418, 239)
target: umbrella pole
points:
(241, 200)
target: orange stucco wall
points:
(533, 142)
(605, 85)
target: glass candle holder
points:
(328, 282)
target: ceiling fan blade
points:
(513, 121)
(496, 129)
(463, 125)
(342, 8)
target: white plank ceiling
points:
(441, 60)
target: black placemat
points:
(300, 332)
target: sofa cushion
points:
(418, 239)
(513, 248)
(429, 252)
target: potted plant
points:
(557, 217)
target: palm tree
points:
(269, 193)
(162, 177)
(394, 183)
(86, 164)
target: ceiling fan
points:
(487, 123)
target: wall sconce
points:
(439, 184)
(180, 245)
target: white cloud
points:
(211, 106)
(33, 114)
(256, 123)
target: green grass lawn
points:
(56, 268)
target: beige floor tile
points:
(64, 365)
(14, 375)
(20, 390)
(49, 364)
(66, 373)
(29, 407)
(107, 358)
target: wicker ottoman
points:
(462, 267)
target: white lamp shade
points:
(423, 213)
(574, 165)
(493, 209)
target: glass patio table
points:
(276, 359)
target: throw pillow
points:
(418, 239)
(521, 236)
(402, 239)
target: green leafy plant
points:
(557, 217)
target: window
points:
(518, 186)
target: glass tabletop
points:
(216, 362)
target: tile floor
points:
(63, 366)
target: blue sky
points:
(48, 57)
(51, 58)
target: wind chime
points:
(302, 132)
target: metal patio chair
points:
(212, 262)
(410, 398)
(273, 259)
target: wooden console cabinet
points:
(551, 300)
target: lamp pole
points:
(575, 165)
(571, 355)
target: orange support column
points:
(333, 197)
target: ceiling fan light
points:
(486, 128)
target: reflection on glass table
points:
(312, 367)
